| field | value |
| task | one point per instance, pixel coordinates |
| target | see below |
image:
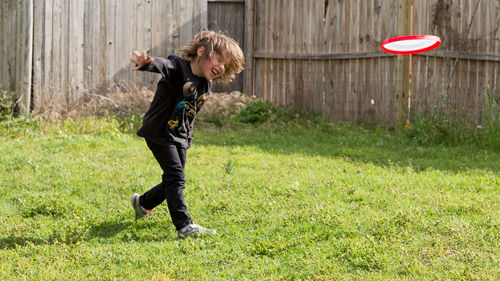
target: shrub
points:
(256, 112)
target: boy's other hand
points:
(141, 60)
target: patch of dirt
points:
(225, 102)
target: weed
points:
(8, 104)
(437, 126)
(131, 124)
(230, 166)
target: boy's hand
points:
(142, 60)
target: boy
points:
(167, 125)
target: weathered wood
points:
(249, 35)
(83, 46)
(228, 17)
(226, 1)
(324, 56)
(26, 44)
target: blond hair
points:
(222, 45)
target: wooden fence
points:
(325, 56)
(319, 55)
(83, 47)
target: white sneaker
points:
(139, 212)
(194, 230)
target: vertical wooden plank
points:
(342, 97)
(387, 68)
(17, 49)
(177, 24)
(379, 68)
(170, 26)
(138, 17)
(199, 16)
(108, 41)
(292, 70)
(496, 36)
(250, 23)
(99, 50)
(298, 68)
(125, 43)
(329, 66)
(285, 49)
(46, 76)
(158, 29)
(281, 35)
(276, 18)
(320, 64)
(314, 81)
(38, 23)
(77, 50)
(65, 86)
(121, 54)
(4, 33)
(186, 23)
(346, 100)
(300, 48)
(195, 16)
(292, 90)
(306, 64)
(57, 30)
(259, 46)
(160, 23)
(87, 54)
(149, 80)
(25, 45)
(271, 17)
(403, 26)
(265, 47)
(370, 82)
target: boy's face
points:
(213, 66)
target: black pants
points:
(172, 159)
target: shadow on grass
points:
(14, 241)
(356, 144)
(108, 229)
(141, 231)
(112, 231)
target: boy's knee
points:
(170, 179)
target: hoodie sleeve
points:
(165, 67)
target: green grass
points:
(293, 201)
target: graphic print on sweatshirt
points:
(186, 110)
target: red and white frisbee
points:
(412, 44)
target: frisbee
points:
(412, 44)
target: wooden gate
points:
(228, 16)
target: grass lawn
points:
(335, 202)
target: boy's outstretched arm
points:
(153, 64)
